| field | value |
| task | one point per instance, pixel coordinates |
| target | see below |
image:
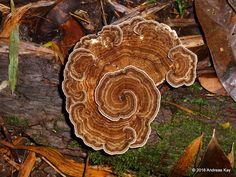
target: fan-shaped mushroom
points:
(110, 82)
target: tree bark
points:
(37, 105)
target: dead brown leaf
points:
(12, 20)
(19, 13)
(72, 34)
(4, 9)
(214, 162)
(186, 160)
(211, 83)
(230, 156)
(66, 166)
(69, 31)
(59, 56)
(218, 21)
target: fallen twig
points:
(103, 13)
(181, 22)
(11, 162)
(25, 48)
(49, 163)
(192, 41)
(186, 109)
(141, 12)
(181, 107)
(28, 165)
(118, 7)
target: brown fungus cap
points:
(110, 82)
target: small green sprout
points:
(181, 7)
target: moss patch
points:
(40, 139)
(159, 158)
(74, 144)
(15, 121)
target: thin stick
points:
(86, 166)
(11, 162)
(103, 13)
(79, 17)
(181, 107)
(186, 109)
(140, 12)
(118, 7)
(192, 41)
(49, 163)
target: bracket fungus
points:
(110, 82)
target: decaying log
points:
(37, 86)
(37, 101)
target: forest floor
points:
(175, 127)
(185, 112)
(195, 111)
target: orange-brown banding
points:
(110, 82)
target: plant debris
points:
(35, 127)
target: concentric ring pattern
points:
(110, 82)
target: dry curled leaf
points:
(214, 162)
(4, 9)
(230, 156)
(211, 83)
(66, 166)
(60, 28)
(186, 160)
(72, 33)
(13, 20)
(218, 21)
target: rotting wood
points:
(192, 41)
(26, 48)
(38, 101)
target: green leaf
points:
(12, 4)
(48, 44)
(13, 57)
(181, 7)
(150, 1)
